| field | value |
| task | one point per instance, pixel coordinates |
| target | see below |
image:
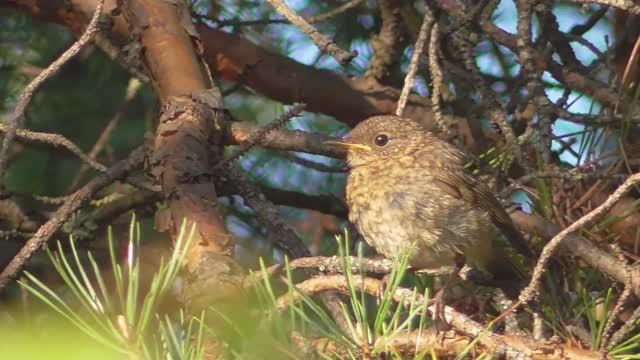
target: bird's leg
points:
(384, 284)
(438, 301)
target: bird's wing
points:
(464, 186)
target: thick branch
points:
(190, 125)
(387, 45)
(283, 79)
(278, 77)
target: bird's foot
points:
(438, 303)
(384, 283)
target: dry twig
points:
(74, 202)
(436, 78)
(103, 139)
(628, 5)
(242, 133)
(335, 264)
(313, 164)
(622, 299)
(387, 45)
(495, 343)
(312, 20)
(258, 136)
(280, 234)
(625, 329)
(574, 245)
(529, 293)
(427, 22)
(322, 42)
(56, 141)
(17, 118)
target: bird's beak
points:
(347, 145)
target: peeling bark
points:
(166, 44)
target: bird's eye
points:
(381, 140)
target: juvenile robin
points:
(407, 191)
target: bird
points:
(408, 192)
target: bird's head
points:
(382, 138)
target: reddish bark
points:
(191, 117)
(349, 100)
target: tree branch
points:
(322, 42)
(17, 118)
(427, 22)
(190, 125)
(495, 343)
(387, 45)
(74, 202)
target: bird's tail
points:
(508, 272)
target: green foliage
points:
(79, 102)
(118, 318)
(123, 320)
(370, 320)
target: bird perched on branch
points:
(407, 191)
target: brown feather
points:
(463, 186)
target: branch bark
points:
(191, 121)
(75, 201)
(575, 245)
(495, 343)
(387, 45)
(349, 100)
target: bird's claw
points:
(438, 302)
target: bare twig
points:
(628, 5)
(322, 42)
(256, 137)
(632, 64)
(239, 133)
(529, 293)
(332, 13)
(622, 299)
(113, 52)
(280, 234)
(74, 202)
(580, 29)
(17, 118)
(625, 329)
(335, 265)
(387, 45)
(500, 344)
(103, 139)
(436, 78)
(312, 20)
(566, 76)
(56, 141)
(313, 164)
(427, 22)
(574, 245)
(327, 204)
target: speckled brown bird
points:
(407, 191)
